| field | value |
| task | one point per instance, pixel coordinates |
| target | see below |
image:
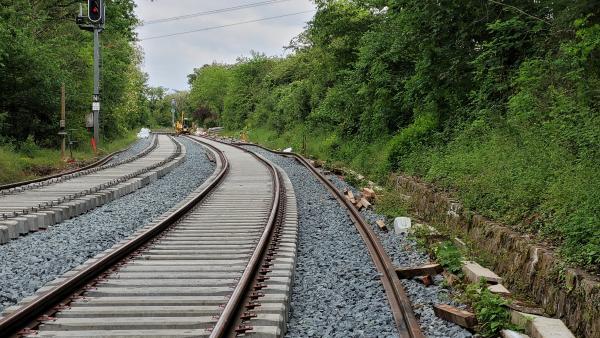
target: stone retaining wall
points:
(569, 294)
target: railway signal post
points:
(96, 20)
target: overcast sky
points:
(169, 60)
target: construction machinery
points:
(183, 125)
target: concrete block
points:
(12, 227)
(43, 219)
(499, 289)
(32, 222)
(91, 201)
(402, 225)
(144, 179)
(474, 272)
(541, 327)
(22, 227)
(512, 334)
(80, 206)
(100, 198)
(51, 217)
(73, 208)
(57, 215)
(103, 197)
(64, 212)
(86, 204)
(4, 237)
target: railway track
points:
(219, 263)
(38, 205)
(404, 317)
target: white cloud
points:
(168, 61)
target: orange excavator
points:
(183, 125)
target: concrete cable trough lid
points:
(475, 272)
(541, 327)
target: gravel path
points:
(30, 262)
(402, 250)
(337, 291)
(135, 149)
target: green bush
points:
(28, 147)
(492, 315)
(448, 255)
(410, 139)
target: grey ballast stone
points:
(38, 258)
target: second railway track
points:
(41, 204)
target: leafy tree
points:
(497, 100)
(41, 47)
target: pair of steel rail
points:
(404, 317)
(28, 317)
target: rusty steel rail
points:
(27, 316)
(404, 317)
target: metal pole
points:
(96, 97)
(62, 119)
(173, 105)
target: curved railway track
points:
(39, 205)
(220, 262)
(401, 307)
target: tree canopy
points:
(41, 47)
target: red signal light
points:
(95, 10)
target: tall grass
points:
(29, 161)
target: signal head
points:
(95, 11)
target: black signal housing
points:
(95, 11)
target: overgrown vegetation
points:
(489, 308)
(448, 255)
(492, 315)
(496, 100)
(389, 205)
